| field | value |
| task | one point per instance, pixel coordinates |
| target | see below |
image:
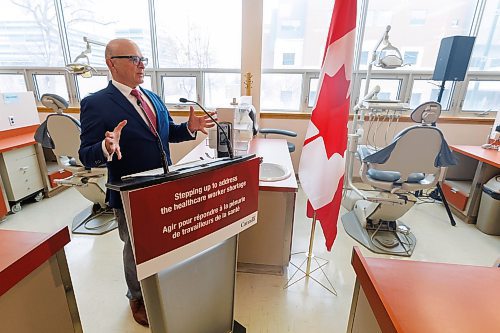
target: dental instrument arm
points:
(353, 138)
(384, 38)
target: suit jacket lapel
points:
(124, 103)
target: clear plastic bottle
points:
(246, 125)
(243, 129)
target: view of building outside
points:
(12, 83)
(29, 34)
(205, 37)
(417, 27)
(294, 35)
(200, 34)
(105, 20)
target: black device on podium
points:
(224, 130)
(223, 137)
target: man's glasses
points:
(135, 59)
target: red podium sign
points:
(175, 220)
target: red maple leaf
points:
(331, 113)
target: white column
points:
(251, 47)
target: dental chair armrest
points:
(397, 201)
(92, 173)
(80, 171)
(266, 131)
(424, 184)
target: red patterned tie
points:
(149, 113)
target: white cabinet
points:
(20, 173)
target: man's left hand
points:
(201, 123)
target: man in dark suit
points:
(116, 130)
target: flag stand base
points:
(319, 262)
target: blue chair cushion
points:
(393, 176)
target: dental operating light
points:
(389, 57)
(81, 64)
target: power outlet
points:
(11, 120)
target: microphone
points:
(228, 143)
(163, 156)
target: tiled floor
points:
(262, 305)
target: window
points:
(29, 34)
(313, 92)
(90, 85)
(363, 59)
(410, 57)
(495, 63)
(417, 17)
(105, 20)
(147, 82)
(281, 91)
(487, 44)
(175, 87)
(221, 88)
(194, 47)
(294, 36)
(427, 90)
(298, 25)
(12, 83)
(198, 33)
(51, 84)
(288, 58)
(476, 62)
(389, 88)
(433, 26)
(482, 96)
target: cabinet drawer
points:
(24, 184)
(21, 173)
(455, 196)
(20, 164)
(20, 153)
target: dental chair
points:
(414, 161)
(62, 135)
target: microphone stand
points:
(228, 143)
(163, 155)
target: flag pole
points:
(309, 259)
(311, 243)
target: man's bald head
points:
(118, 46)
(122, 67)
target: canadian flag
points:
(321, 168)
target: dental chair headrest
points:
(426, 113)
(54, 102)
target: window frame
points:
(475, 76)
(406, 75)
(18, 71)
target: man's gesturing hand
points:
(112, 140)
(196, 123)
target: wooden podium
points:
(184, 229)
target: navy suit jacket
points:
(101, 112)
